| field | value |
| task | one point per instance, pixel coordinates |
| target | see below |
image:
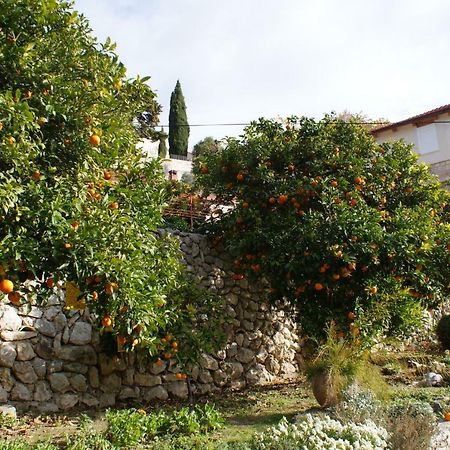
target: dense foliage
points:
(443, 331)
(341, 227)
(206, 146)
(77, 201)
(178, 123)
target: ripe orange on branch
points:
(107, 321)
(14, 297)
(6, 286)
(94, 140)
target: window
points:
(427, 139)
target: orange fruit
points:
(282, 199)
(6, 286)
(334, 183)
(373, 290)
(168, 337)
(94, 140)
(353, 202)
(109, 288)
(447, 416)
(351, 316)
(36, 175)
(245, 205)
(50, 283)
(107, 321)
(238, 276)
(121, 340)
(359, 180)
(179, 376)
(336, 276)
(11, 140)
(256, 267)
(67, 245)
(167, 355)
(318, 286)
(114, 205)
(95, 296)
(158, 362)
(14, 297)
(204, 169)
(299, 291)
(107, 175)
(75, 225)
(240, 176)
(98, 278)
(174, 344)
(291, 167)
(272, 200)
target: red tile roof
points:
(413, 119)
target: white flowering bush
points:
(319, 433)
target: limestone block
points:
(21, 392)
(59, 382)
(81, 333)
(42, 392)
(25, 351)
(8, 354)
(157, 392)
(24, 372)
(147, 380)
(9, 318)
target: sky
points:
(238, 60)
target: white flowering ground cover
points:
(319, 433)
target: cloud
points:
(240, 60)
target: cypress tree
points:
(162, 147)
(178, 123)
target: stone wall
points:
(51, 360)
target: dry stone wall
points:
(51, 360)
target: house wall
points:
(150, 150)
(439, 159)
(51, 360)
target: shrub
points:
(443, 331)
(411, 424)
(339, 226)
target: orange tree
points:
(78, 203)
(343, 228)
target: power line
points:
(245, 124)
(248, 123)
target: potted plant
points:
(334, 368)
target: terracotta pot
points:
(323, 389)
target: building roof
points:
(420, 119)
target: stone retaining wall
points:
(51, 360)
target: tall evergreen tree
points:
(162, 147)
(178, 123)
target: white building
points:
(179, 164)
(429, 132)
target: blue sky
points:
(240, 60)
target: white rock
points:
(81, 333)
(9, 319)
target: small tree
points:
(162, 146)
(206, 146)
(178, 123)
(342, 228)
